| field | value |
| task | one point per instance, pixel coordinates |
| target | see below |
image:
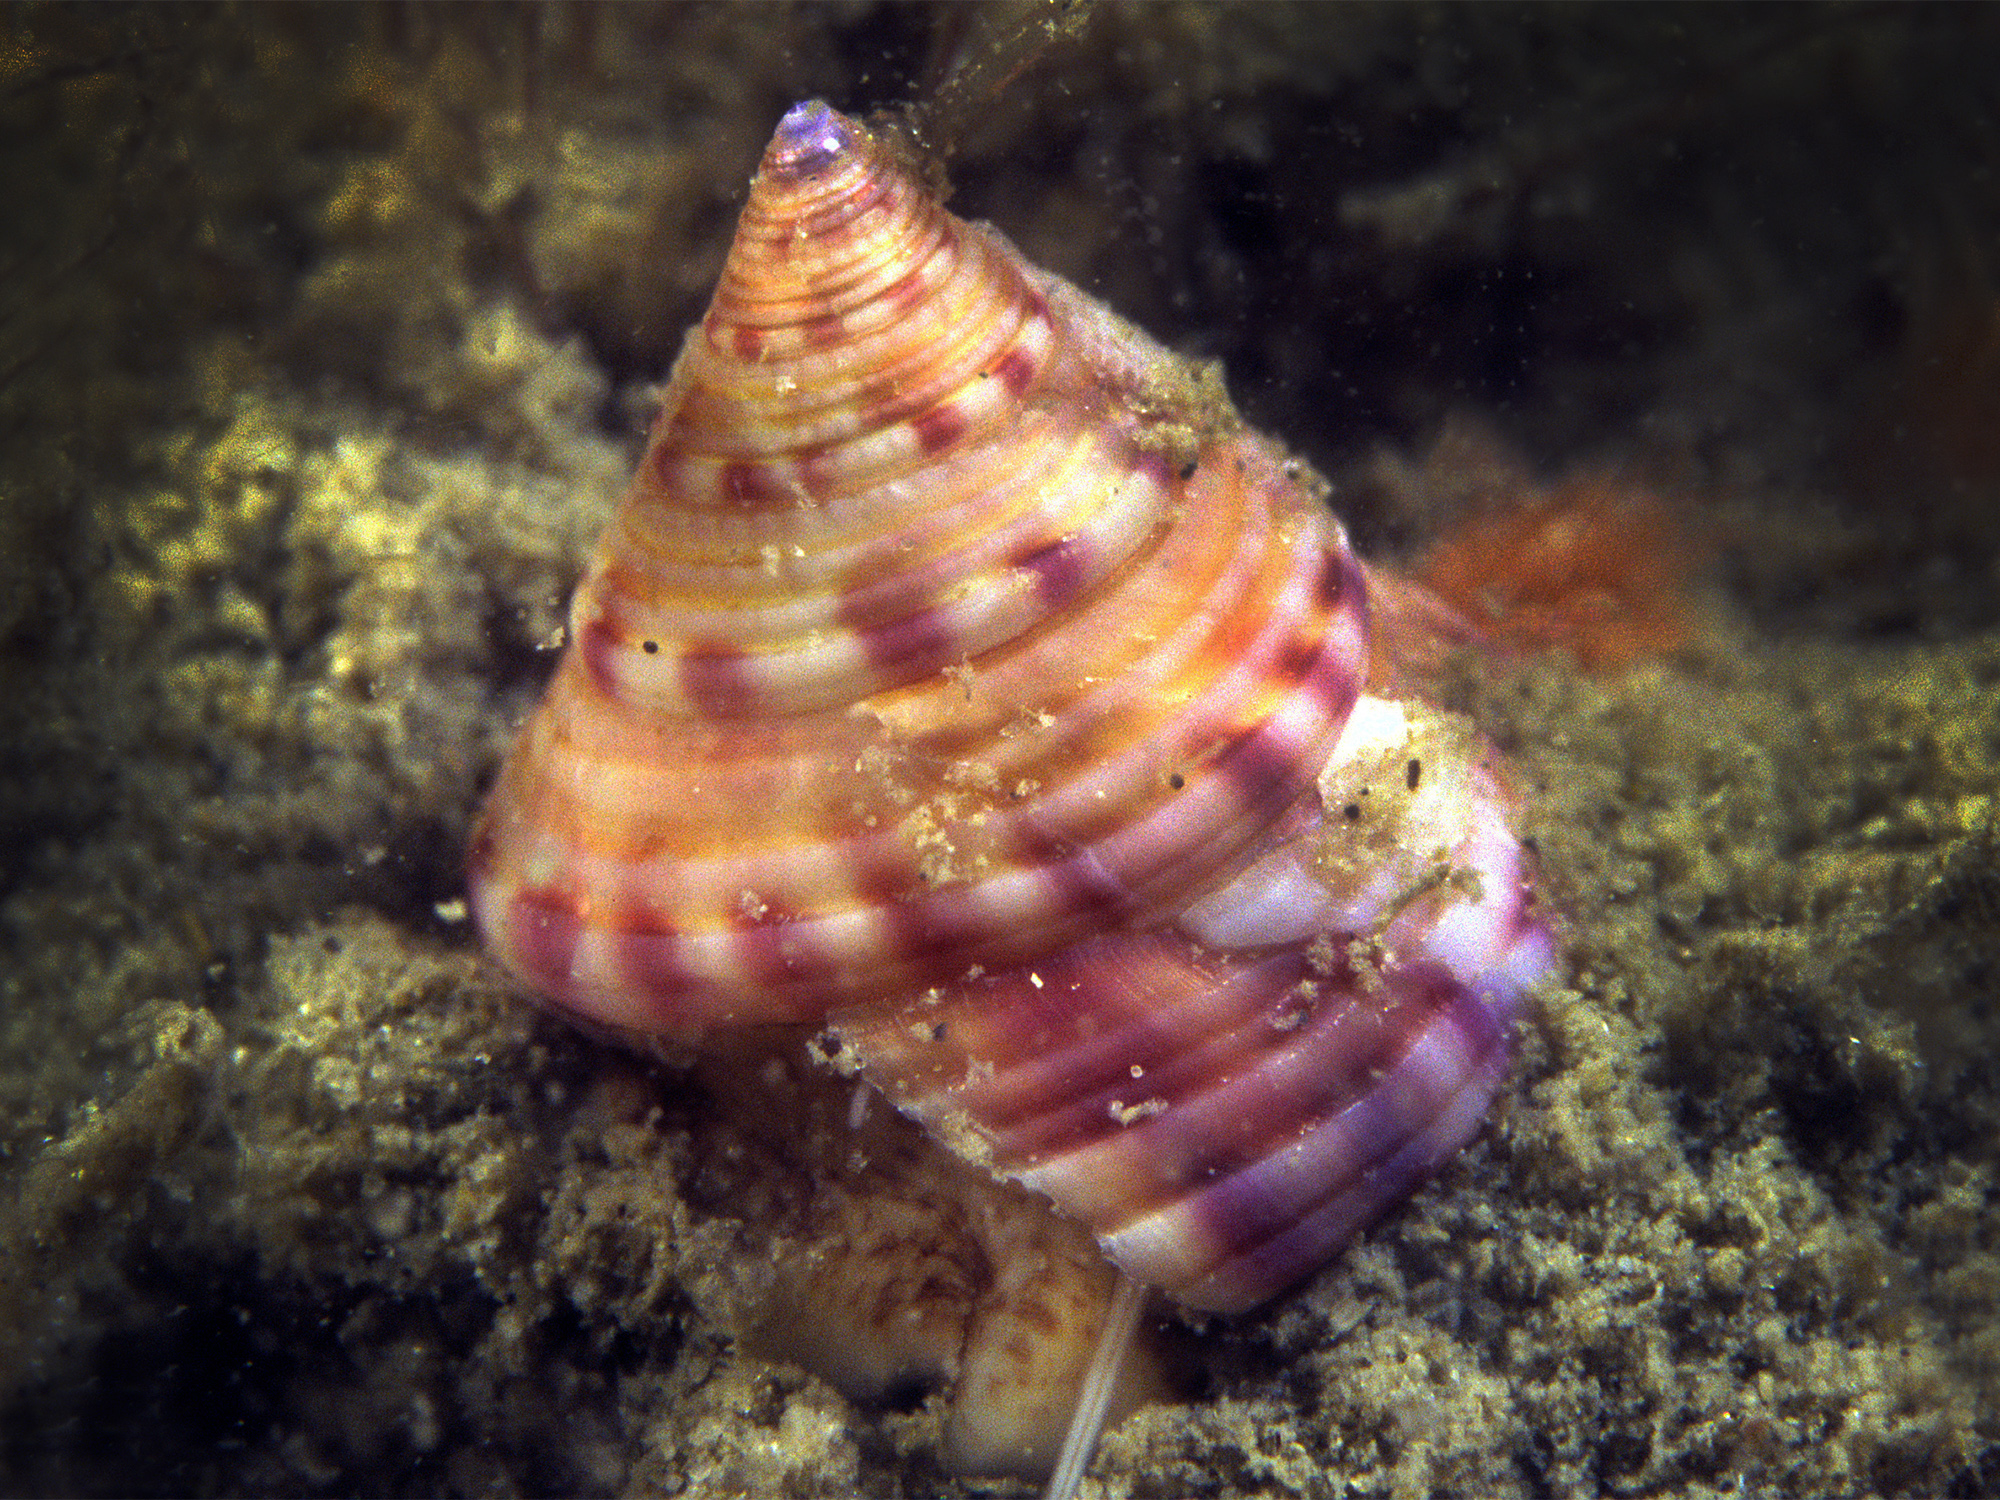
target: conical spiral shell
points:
(937, 649)
(906, 649)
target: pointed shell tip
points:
(809, 138)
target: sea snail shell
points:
(953, 677)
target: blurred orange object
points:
(1592, 567)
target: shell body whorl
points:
(940, 679)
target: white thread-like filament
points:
(1100, 1381)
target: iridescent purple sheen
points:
(809, 139)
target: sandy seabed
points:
(327, 339)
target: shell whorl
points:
(1226, 1099)
(906, 650)
(951, 676)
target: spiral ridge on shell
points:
(946, 680)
